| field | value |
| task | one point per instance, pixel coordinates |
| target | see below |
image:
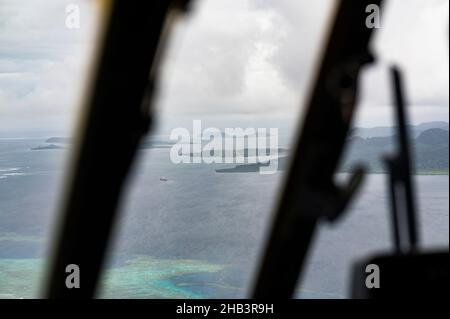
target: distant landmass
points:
(246, 152)
(386, 131)
(255, 167)
(156, 144)
(46, 147)
(146, 144)
(59, 140)
(367, 146)
(430, 152)
(249, 168)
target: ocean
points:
(186, 231)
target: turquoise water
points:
(138, 277)
(197, 235)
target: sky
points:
(229, 62)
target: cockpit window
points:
(196, 211)
(45, 50)
(230, 99)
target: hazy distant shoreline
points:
(429, 143)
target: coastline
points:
(420, 173)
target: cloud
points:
(414, 35)
(246, 58)
(240, 57)
(258, 56)
(42, 63)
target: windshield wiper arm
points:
(116, 119)
(310, 193)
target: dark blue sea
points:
(186, 231)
